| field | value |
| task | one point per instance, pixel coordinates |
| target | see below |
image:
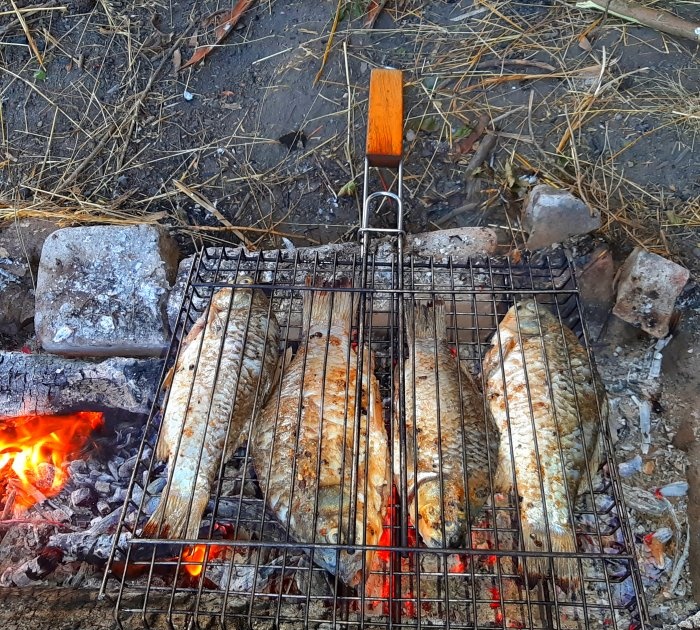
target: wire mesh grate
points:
(245, 567)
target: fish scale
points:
(308, 427)
(228, 355)
(447, 433)
(544, 396)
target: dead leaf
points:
(584, 44)
(465, 144)
(511, 179)
(177, 60)
(222, 30)
(374, 8)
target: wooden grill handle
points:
(385, 118)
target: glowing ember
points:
(194, 557)
(35, 448)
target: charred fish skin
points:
(302, 442)
(544, 396)
(448, 433)
(225, 368)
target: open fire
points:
(35, 449)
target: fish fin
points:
(168, 379)
(162, 448)
(594, 461)
(170, 519)
(426, 321)
(566, 573)
(325, 308)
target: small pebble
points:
(187, 95)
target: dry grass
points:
(465, 65)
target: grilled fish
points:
(225, 368)
(450, 442)
(303, 441)
(545, 398)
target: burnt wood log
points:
(48, 384)
(68, 609)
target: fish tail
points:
(566, 572)
(426, 321)
(322, 308)
(173, 518)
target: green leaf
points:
(348, 190)
(40, 75)
(429, 124)
(461, 132)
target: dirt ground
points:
(105, 128)
(109, 121)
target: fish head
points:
(442, 521)
(526, 318)
(223, 300)
(346, 564)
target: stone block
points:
(102, 290)
(647, 288)
(459, 243)
(551, 215)
(595, 280)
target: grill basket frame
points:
(151, 577)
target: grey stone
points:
(551, 215)
(46, 384)
(647, 288)
(595, 280)
(83, 497)
(127, 467)
(102, 291)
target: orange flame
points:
(35, 448)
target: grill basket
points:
(245, 571)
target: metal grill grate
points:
(245, 569)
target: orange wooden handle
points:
(385, 118)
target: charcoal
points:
(103, 508)
(127, 467)
(118, 496)
(84, 497)
(113, 469)
(156, 486)
(103, 487)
